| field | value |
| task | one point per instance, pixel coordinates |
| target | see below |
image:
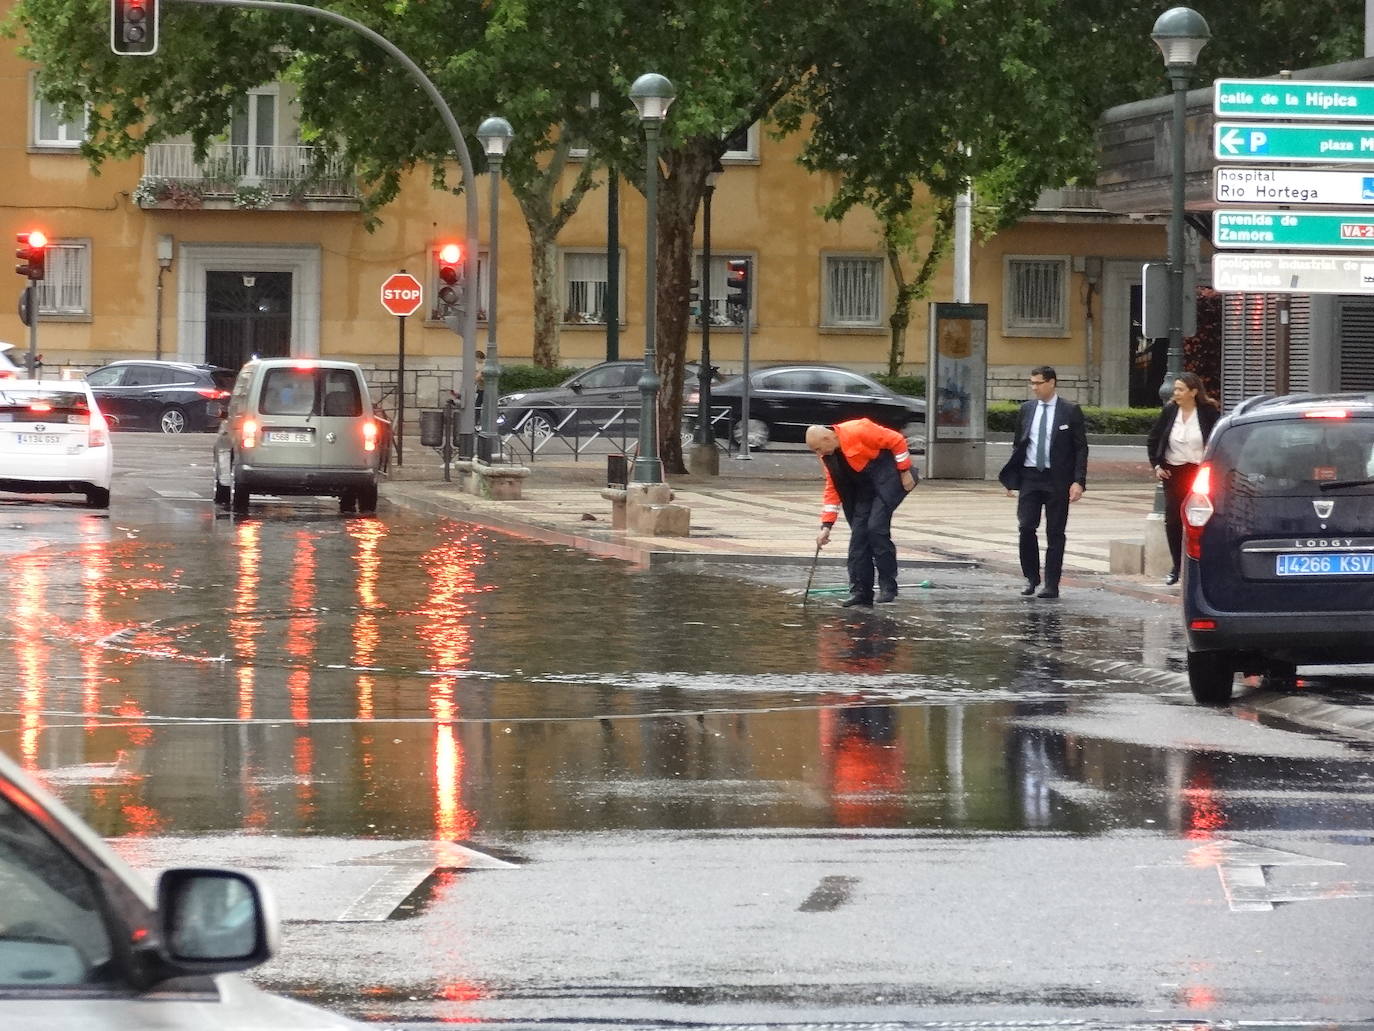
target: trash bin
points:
(617, 471)
(432, 429)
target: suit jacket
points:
(1068, 447)
(1157, 444)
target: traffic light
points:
(133, 27)
(451, 274)
(32, 253)
(737, 282)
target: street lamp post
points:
(652, 95)
(495, 134)
(1180, 33)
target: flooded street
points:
(481, 745)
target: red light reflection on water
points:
(367, 534)
(300, 649)
(446, 626)
(1203, 815)
(244, 624)
(31, 651)
(95, 569)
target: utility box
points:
(617, 471)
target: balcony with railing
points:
(246, 178)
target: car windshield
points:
(52, 932)
(1297, 456)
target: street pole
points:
(652, 95)
(399, 431)
(32, 290)
(744, 391)
(612, 304)
(469, 322)
(705, 460)
(495, 134)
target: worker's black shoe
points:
(887, 594)
(857, 599)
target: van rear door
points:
(1293, 528)
(344, 415)
(287, 402)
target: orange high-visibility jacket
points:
(860, 442)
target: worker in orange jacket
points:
(867, 474)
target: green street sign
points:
(1294, 231)
(1285, 98)
(1293, 144)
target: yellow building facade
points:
(248, 250)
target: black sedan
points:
(174, 397)
(603, 397)
(785, 399)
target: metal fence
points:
(590, 430)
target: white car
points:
(86, 944)
(8, 370)
(53, 440)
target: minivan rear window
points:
(1296, 456)
(328, 392)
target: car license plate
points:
(1330, 563)
(39, 438)
(287, 436)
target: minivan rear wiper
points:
(1338, 484)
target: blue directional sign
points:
(1294, 144)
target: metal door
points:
(247, 314)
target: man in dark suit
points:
(1049, 469)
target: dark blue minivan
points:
(1279, 542)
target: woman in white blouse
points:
(1175, 445)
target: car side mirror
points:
(214, 920)
(576, 388)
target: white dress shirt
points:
(1185, 441)
(1043, 410)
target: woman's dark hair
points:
(1193, 381)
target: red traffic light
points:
(450, 274)
(37, 239)
(32, 254)
(450, 254)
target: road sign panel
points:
(1284, 98)
(1293, 273)
(402, 294)
(1300, 144)
(1291, 186)
(1293, 230)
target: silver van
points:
(299, 426)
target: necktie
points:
(1042, 440)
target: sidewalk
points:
(768, 511)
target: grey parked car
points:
(86, 943)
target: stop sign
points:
(402, 294)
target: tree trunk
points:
(899, 321)
(679, 194)
(547, 300)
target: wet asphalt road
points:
(495, 781)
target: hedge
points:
(1128, 421)
(911, 386)
(515, 378)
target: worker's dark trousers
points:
(870, 546)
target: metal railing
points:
(285, 171)
(575, 431)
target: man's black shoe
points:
(1028, 590)
(886, 595)
(1049, 592)
(1172, 578)
(857, 599)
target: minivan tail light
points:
(1197, 510)
(249, 433)
(369, 435)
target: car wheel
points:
(98, 497)
(367, 499)
(238, 497)
(915, 434)
(172, 420)
(538, 428)
(348, 502)
(759, 434)
(1211, 675)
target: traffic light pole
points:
(467, 419)
(31, 302)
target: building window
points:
(584, 288)
(1036, 296)
(437, 309)
(66, 287)
(723, 312)
(49, 130)
(853, 291)
(743, 146)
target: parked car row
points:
(784, 400)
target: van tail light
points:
(1197, 510)
(98, 433)
(249, 433)
(369, 435)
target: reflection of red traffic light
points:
(1203, 815)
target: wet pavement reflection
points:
(402, 678)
